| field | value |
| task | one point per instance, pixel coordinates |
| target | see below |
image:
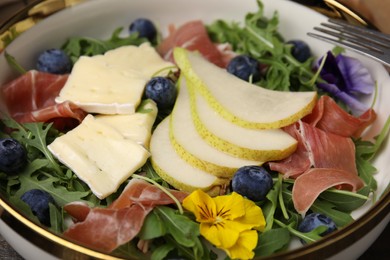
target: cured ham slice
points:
(141, 192)
(107, 228)
(299, 161)
(328, 150)
(191, 36)
(30, 98)
(328, 116)
(325, 156)
(308, 186)
(317, 148)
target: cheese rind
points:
(112, 83)
(138, 126)
(99, 155)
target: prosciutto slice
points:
(316, 148)
(325, 156)
(191, 36)
(328, 116)
(308, 186)
(30, 98)
(299, 161)
(107, 228)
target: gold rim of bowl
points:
(61, 247)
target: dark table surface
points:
(379, 250)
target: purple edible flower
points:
(346, 78)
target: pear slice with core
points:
(240, 102)
(252, 144)
(190, 146)
(177, 172)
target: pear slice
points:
(240, 102)
(252, 144)
(177, 172)
(192, 148)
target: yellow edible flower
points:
(228, 221)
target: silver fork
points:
(371, 43)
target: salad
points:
(176, 223)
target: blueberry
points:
(300, 50)
(314, 220)
(244, 67)
(144, 27)
(54, 61)
(162, 91)
(38, 201)
(13, 156)
(253, 182)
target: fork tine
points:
(358, 48)
(368, 42)
(356, 39)
(363, 30)
(361, 50)
(356, 34)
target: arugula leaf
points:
(162, 251)
(366, 172)
(37, 138)
(86, 46)
(339, 217)
(32, 167)
(153, 227)
(272, 241)
(199, 252)
(34, 135)
(56, 223)
(365, 153)
(270, 206)
(179, 232)
(129, 251)
(31, 179)
(260, 39)
(14, 64)
(308, 237)
(184, 230)
(24, 208)
(346, 201)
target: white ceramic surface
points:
(98, 18)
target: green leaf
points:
(366, 172)
(79, 46)
(340, 218)
(56, 218)
(199, 251)
(162, 251)
(368, 150)
(37, 138)
(13, 63)
(46, 182)
(272, 241)
(260, 39)
(346, 201)
(308, 237)
(130, 251)
(153, 227)
(183, 229)
(24, 208)
(271, 205)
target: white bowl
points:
(98, 18)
